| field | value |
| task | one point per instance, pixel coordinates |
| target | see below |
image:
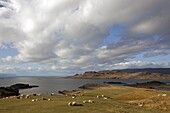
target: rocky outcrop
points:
(13, 90)
(90, 86)
(8, 91)
(113, 82)
(150, 85)
(22, 86)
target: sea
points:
(48, 85)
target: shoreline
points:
(108, 99)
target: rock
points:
(150, 85)
(22, 86)
(13, 90)
(8, 91)
(90, 86)
(113, 82)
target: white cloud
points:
(139, 64)
(71, 33)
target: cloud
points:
(70, 34)
(140, 64)
(155, 53)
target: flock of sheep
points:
(74, 103)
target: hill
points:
(147, 73)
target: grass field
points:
(119, 100)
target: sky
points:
(65, 37)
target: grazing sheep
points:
(102, 95)
(84, 101)
(33, 100)
(105, 98)
(18, 97)
(90, 101)
(69, 103)
(22, 95)
(73, 97)
(34, 94)
(164, 95)
(49, 99)
(140, 104)
(27, 96)
(38, 94)
(44, 98)
(52, 94)
(72, 103)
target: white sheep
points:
(84, 101)
(73, 97)
(164, 95)
(140, 104)
(38, 94)
(105, 98)
(69, 103)
(52, 94)
(73, 103)
(27, 96)
(90, 101)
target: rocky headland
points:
(13, 90)
(161, 73)
(150, 85)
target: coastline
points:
(107, 99)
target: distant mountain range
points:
(146, 73)
(151, 70)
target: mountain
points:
(146, 73)
(151, 70)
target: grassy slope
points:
(123, 100)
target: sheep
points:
(140, 104)
(73, 97)
(34, 94)
(21, 95)
(38, 94)
(33, 100)
(164, 95)
(27, 96)
(49, 99)
(69, 103)
(52, 94)
(84, 101)
(72, 103)
(105, 98)
(44, 98)
(90, 101)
